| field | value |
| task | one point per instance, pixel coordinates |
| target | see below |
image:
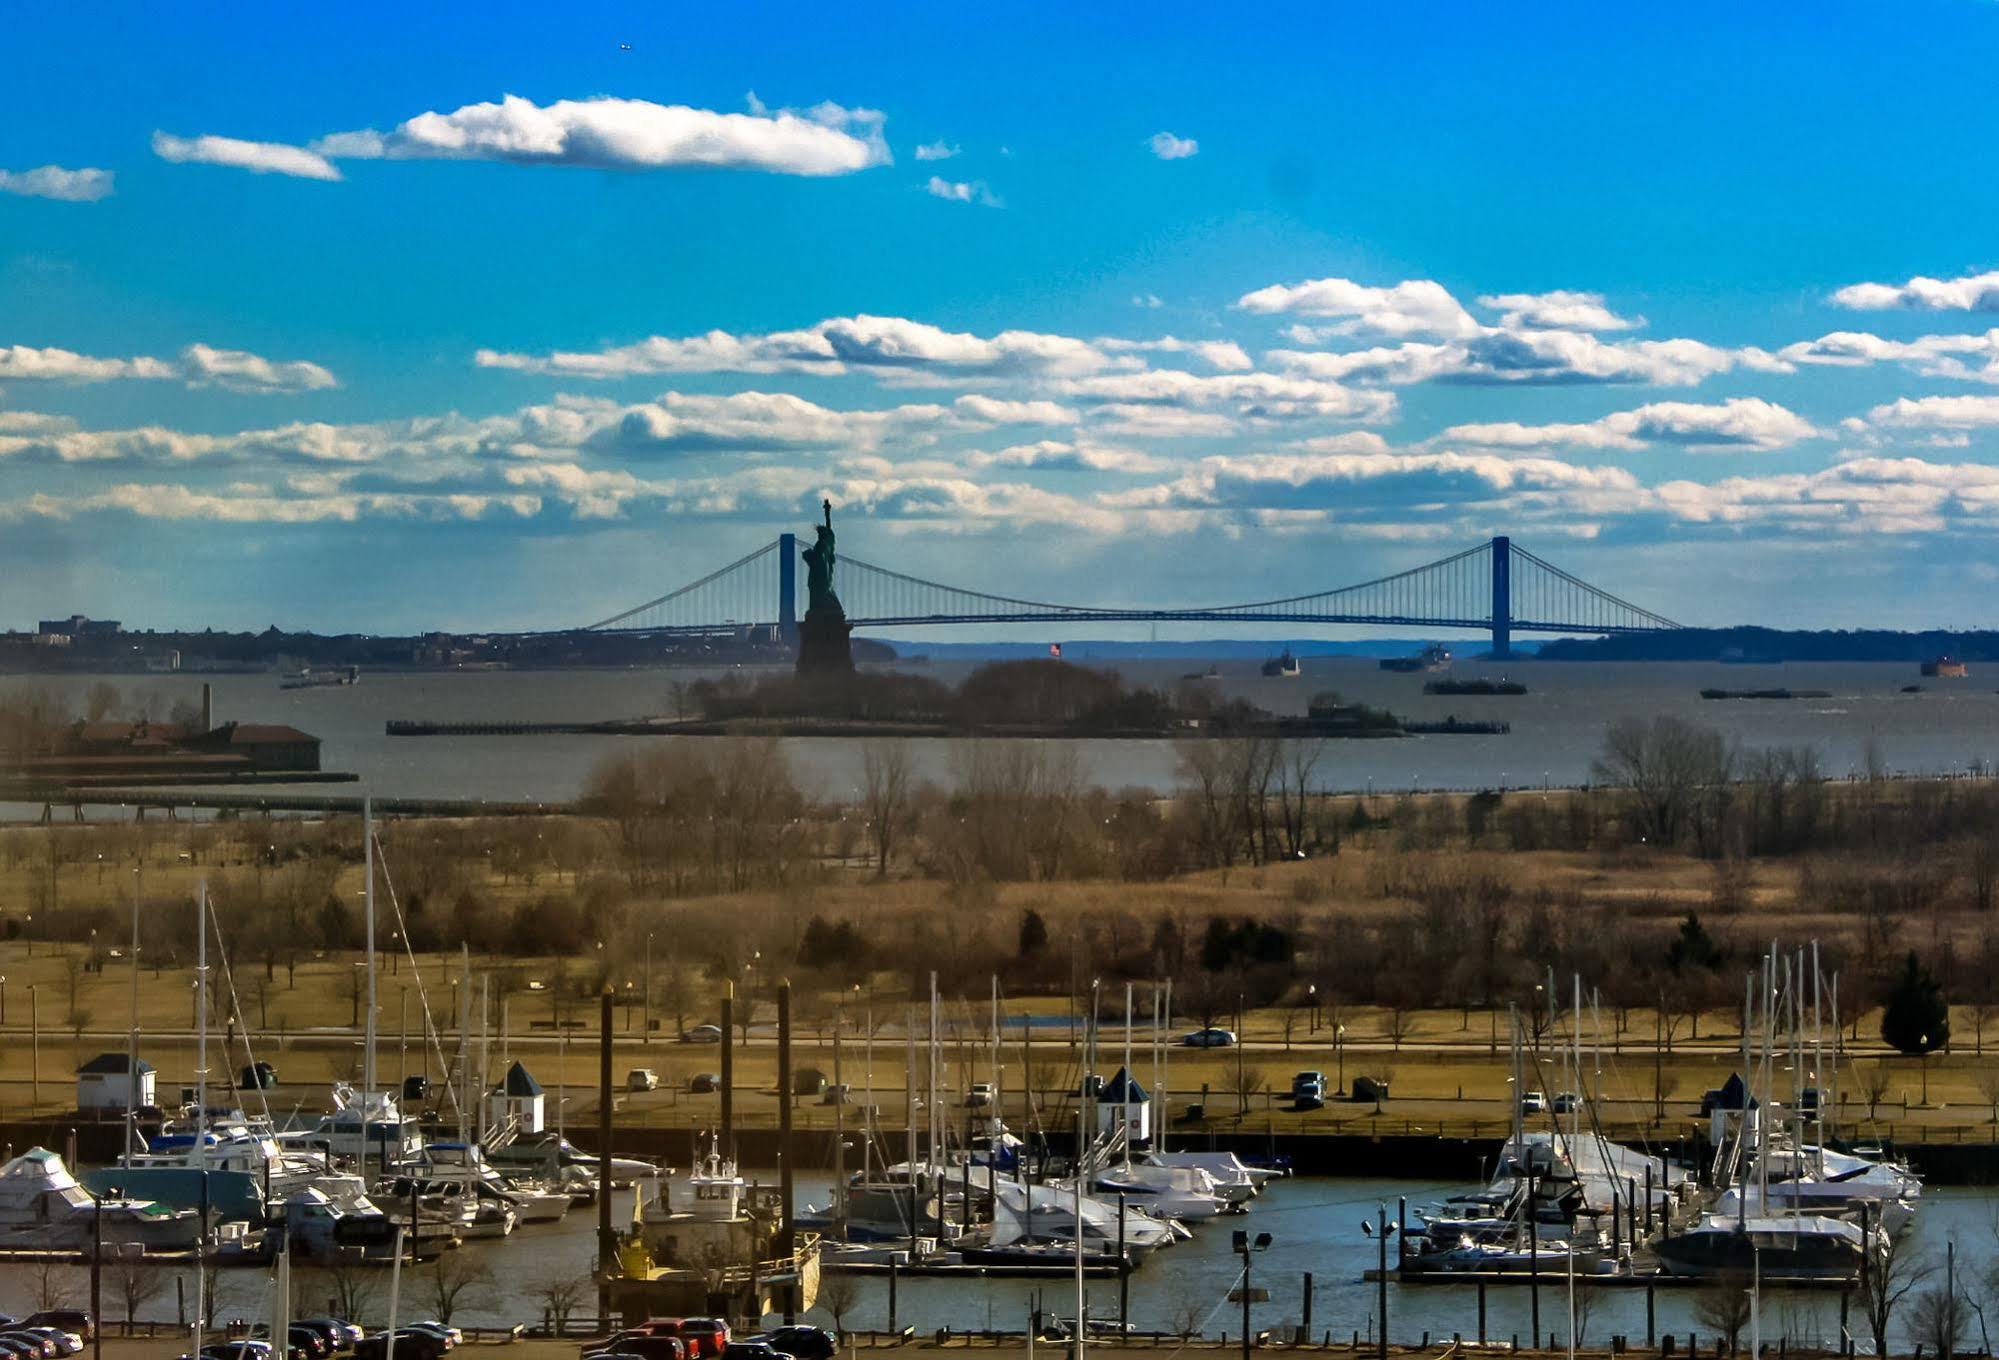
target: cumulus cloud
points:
(1741, 423)
(1062, 455)
(1223, 354)
(250, 504)
(1497, 356)
(631, 134)
(263, 158)
(1969, 293)
(1412, 307)
(52, 181)
(883, 345)
(939, 150)
(1969, 358)
(1560, 310)
(198, 366)
(1937, 413)
(1255, 396)
(1167, 147)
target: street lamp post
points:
(1380, 1230)
(1340, 1055)
(1244, 1247)
(646, 1039)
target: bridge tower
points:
(1502, 597)
(787, 587)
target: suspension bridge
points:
(1494, 587)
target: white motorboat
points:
(1042, 1212)
(43, 1208)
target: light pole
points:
(1380, 1230)
(1244, 1247)
(646, 1039)
(1340, 1055)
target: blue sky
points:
(300, 323)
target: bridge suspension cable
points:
(1492, 585)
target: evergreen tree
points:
(1693, 947)
(1033, 934)
(1916, 1019)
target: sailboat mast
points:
(132, 1031)
(368, 898)
(201, 1028)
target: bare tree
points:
(1890, 1273)
(1396, 1023)
(560, 1296)
(1724, 1307)
(887, 786)
(1249, 1081)
(1874, 1081)
(347, 1290)
(1664, 765)
(839, 1295)
(138, 1282)
(454, 1280)
(1937, 1319)
(52, 1285)
(1988, 1086)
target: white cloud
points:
(1499, 356)
(1226, 355)
(1061, 455)
(1937, 413)
(961, 191)
(883, 345)
(197, 365)
(632, 134)
(245, 372)
(1561, 310)
(995, 411)
(251, 504)
(939, 150)
(1412, 307)
(1146, 300)
(52, 181)
(1257, 396)
(1737, 424)
(1970, 358)
(1969, 293)
(1170, 148)
(263, 158)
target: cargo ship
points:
(1286, 666)
(1431, 659)
(1945, 668)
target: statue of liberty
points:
(819, 567)
(823, 646)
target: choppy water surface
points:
(1557, 727)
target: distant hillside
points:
(1219, 649)
(1774, 644)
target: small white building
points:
(102, 1085)
(519, 1098)
(1124, 1101)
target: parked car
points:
(803, 1343)
(311, 1341)
(259, 1076)
(450, 1334)
(30, 1344)
(704, 1083)
(1533, 1102)
(641, 1346)
(641, 1079)
(66, 1342)
(703, 1034)
(980, 1096)
(755, 1348)
(22, 1348)
(68, 1319)
(1309, 1084)
(416, 1089)
(1565, 1102)
(410, 1345)
(335, 1333)
(1209, 1038)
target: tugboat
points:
(1945, 668)
(710, 1249)
(1285, 666)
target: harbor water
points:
(1315, 1227)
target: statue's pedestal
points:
(823, 648)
